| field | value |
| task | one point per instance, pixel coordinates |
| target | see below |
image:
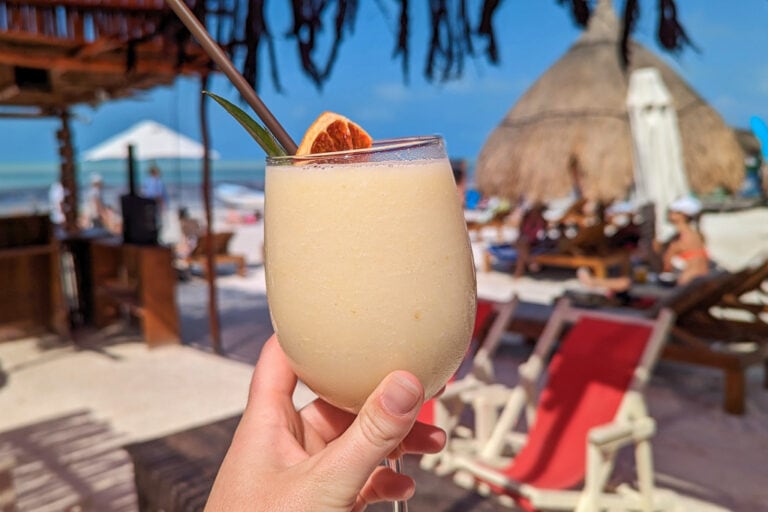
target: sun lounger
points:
(740, 309)
(590, 407)
(599, 264)
(704, 334)
(220, 250)
(585, 246)
(707, 334)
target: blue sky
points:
(730, 72)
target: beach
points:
(24, 186)
(710, 459)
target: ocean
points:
(24, 186)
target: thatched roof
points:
(578, 107)
(59, 53)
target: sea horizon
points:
(24, 185)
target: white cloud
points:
(374, 113)
(299, 111)
(393, 92)
(493, 85)
(399, 93)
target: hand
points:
(319, 458)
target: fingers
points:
(381, 425)
(328, 423)
(273, 374)
(270, 399)
(422, 438)
(386, 485)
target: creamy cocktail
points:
(369, 268)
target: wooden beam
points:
(160, 65)
(210, 259)
(89, 5)
(24, 37)
(68, 173)
(98, 47)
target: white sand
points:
(142, 393)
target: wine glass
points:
(368, 267)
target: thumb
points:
(382, 423)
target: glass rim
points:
(378, 146)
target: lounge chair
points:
(587, 246)
(220, 250)
(490, 325)
(706, 332)
(573, 246)
(742, 295)
(590, 407)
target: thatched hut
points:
(578, 108)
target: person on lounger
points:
(685, 256)
(532, 237)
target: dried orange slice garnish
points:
(333, 132)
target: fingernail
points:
(400, 395)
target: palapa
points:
(578, 107)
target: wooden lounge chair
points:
(703, 335)
(706, 335)
(575, 245)
(590, 407)
(740, 308)
(587, 246)
(220, 250)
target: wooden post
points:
(210, 262)
(67, 173)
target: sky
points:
(730, 71)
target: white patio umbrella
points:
(151, 140)
(657, 150)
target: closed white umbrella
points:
(151, 140)
(659, 170)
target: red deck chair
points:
(591, 405)
(490, 324)
(491, 320)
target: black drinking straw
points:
(220, 58)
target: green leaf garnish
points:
(264, 137)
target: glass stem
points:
(396, 465)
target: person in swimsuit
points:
(685, 256)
